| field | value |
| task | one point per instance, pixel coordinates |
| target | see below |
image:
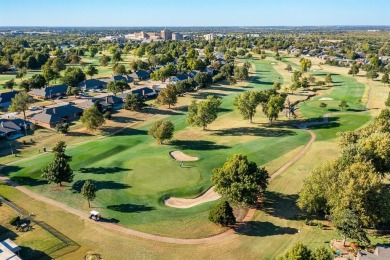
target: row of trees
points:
(351, 190)
(271, 101)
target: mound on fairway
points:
(209, 195)
(180, 156)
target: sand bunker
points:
(209, 195)
(325, 98)
(180, 156)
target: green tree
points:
(298, 252)
(222, 214)
(289, 68)
(273, 107)
(91, 71)
(49, 72)
(354, 70)
(372, 74)
(133, 102)
(348, 225)
(58, 170)
(9, 84)
(168, 96)
(323, 105)
(73, 76)
(328, 79)
(89, 191)
(312, 79)
(162, 130)
(305, 64)
(239, 180)
(387, 103)
(117, 57)
(277, 85)
(104, 60)
(20, 103)
(37, 81)
(385, 79)
(93, 50)
(343, 104)
(323, 253)
(92, 118)
(246, 103)
(21, 73)
(119, 69)
(204, 112)
(62, 128)
(203, 79)
(117, 86)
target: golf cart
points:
(94, 215)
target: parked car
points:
(34, 108)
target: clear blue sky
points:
(193, 12)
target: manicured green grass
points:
(340, 123)
(344, 88)
(133, 174)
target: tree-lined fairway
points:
(133, 174)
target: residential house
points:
(140, 75)
(6, 98)
(382, 252)
(50, 117)
(90, 84)
(49, 92)
(107, 103)
(9, 250)
(127, 78)
(13, 128)
(142, 92)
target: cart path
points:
(183, 241)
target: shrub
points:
(222, 214)
(14, 220)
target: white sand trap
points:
(209, 195)
(180, 156)
(273, 63)
(325, 98)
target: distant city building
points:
(177, 36)
(166, 34)
(209, 37)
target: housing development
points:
(194, 142)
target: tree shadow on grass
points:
(205, 94)
(196, 145)
(7, 169)
(103, 170)
(130, 208)
(124, 119)
(28, 181)
(100, 185)
(281, 205)
(263, 229)
(229, 89)
(29, 253)
(254, 131)
(155, 111)
(120, 131)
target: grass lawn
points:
(340, 123)
(133, 174)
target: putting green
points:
(133, 174)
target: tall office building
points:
(166, 34)
(177, 36)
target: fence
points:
(65, 247)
